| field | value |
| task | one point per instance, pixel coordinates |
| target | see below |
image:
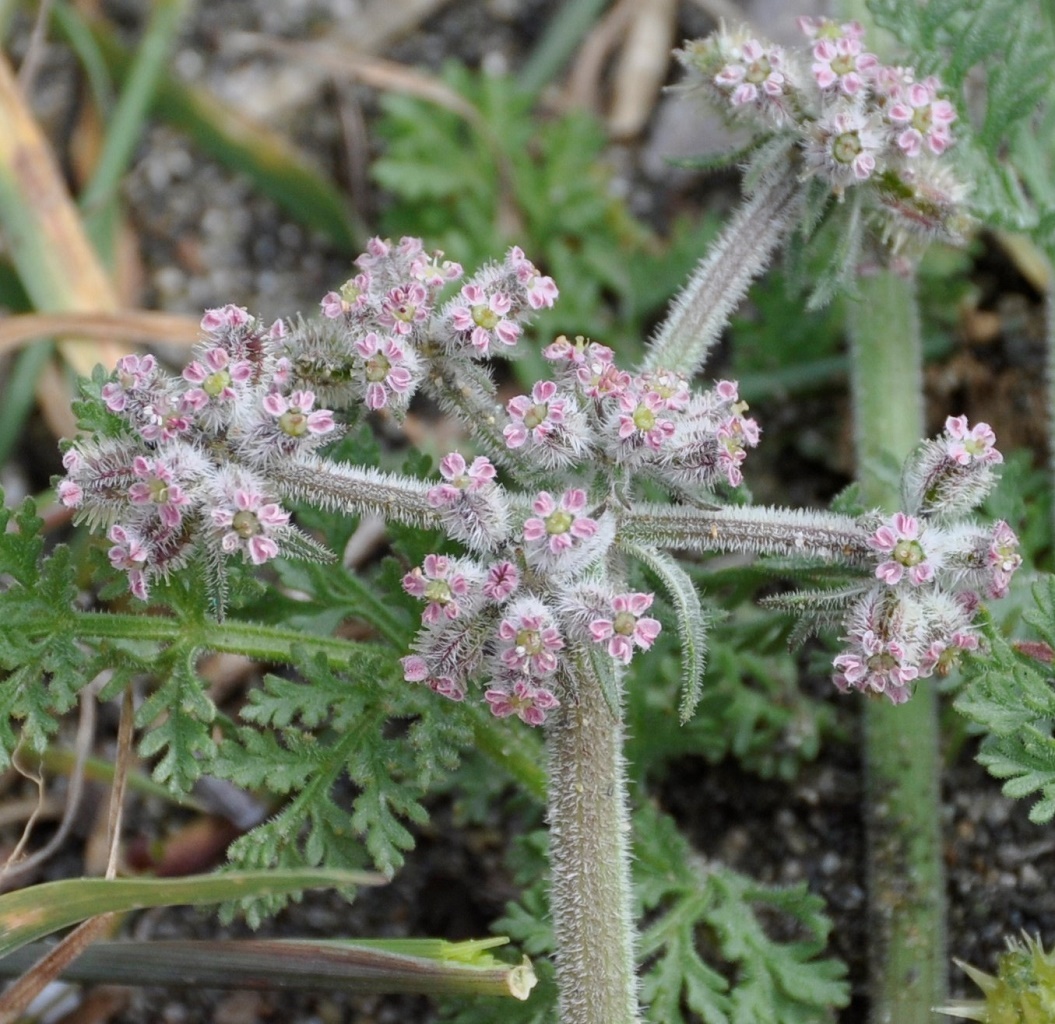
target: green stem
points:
(1049, 366)
(589, 860)
(260, 642)
(902, 800)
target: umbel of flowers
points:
(852, 120)
(195, 469)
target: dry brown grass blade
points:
(383, 22)
(346, 62)
(130, 325)
(17, 998)
(47, 241)
(49, 236)
(642, 66)
(583, 91)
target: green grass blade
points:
(126, 125)
(39, 910)
(426, 966)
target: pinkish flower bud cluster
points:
(185, 471)
(194, 464)
(651, 423)
(853, 120)
(932, 569)
(387, 325)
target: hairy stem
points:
(906, 877)
(590, 862)
(755, 530)
(700, 312)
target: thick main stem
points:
(589, 859)
(902, 799)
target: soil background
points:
(203, 237)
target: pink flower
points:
(130, 553)
(529, 642)
(923, 119)
(246, 525)
(843, 147)
(387, 368)
(403, 307)
(558, 527)
(577, 352)
(132, 373)
(541, 291)
(640, 419)
(351, 297)
(943, 655)
(502, 581)
(224, 318)
(440, 584)
(534, 417)
(840, 64)
(966, 445)
(416, 670)
(755, 76)
(1002, 559)
(156, 486)
(825, 28)
(164, 420)
(671, 388)
(900, 539)
(875, 666)
(484, 318)
(628, 627)
(215, 375)
(599, 377)
(458, 478)
(295, 416)
(529, 703)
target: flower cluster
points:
(932, 570)
(196, 466)
(195, 469)
(387, 323)
(544, 595)
(186, 470)
(853, 119)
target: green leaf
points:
(38, 910)
(771, 982)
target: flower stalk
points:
(902, 800)
(590, 895)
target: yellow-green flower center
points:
(843, 64)
(908, 552)
(758, 71)
(377, 368)
(624, 624)
(529, 641)
(484, 316)
(644, 418)
(245, 524)
(846, 147)
(214, 384)
(294, 423)
(535, 415)
(438, 591)
(559, 522)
